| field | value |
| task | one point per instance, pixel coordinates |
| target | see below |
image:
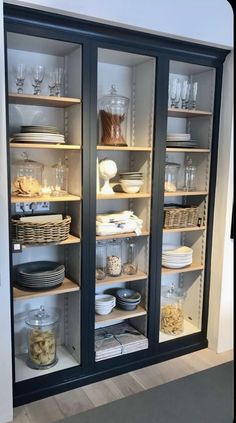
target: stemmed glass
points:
(194, 87)
(51, 83)
(173, 91)
(37, 75)
(19, 73)
(59, 73)
(178, 92)
(184, 94)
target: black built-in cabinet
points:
(144, 68)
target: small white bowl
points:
(130, 189)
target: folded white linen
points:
(115, 217)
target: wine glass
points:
(173, 91)
(184, 94)
(19, 73)
(51, 83)
(178, 92)
(59, 73)
(194, 87)
(37, 75)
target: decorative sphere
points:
(107, 169)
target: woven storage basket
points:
(40, 233)
(176, 216)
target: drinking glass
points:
(19, 73)
(178, 92)
(51, 83)
(173, 91)
(184, 94)
(194, 87)
(37, 75)
(59, 73)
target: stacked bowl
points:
(127, 299)
(175, 257)
(104, 304)
(131, 182)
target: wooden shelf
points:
(125, 235)
(70, 240)
(42, 100)
(45, 146)
(122, 195)
(187, 150)
(190, 229)
(184, 193)
(118, 314)
(15, 199)
(115, 148)
(67, 286)
(124, 278)
(192, 267)
(187, 113)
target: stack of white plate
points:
(40, 275)
(104, 303)
(177, 139)
(39, 134)
(175, 257)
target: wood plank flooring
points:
(78, 400)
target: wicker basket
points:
(176, 216)
(40, 233)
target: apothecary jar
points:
(130, 266)
(114, 258)
(101, 256)
(42, 338)
(113, 110)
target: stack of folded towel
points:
(118, 223)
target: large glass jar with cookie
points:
(26, 177)
(172, 310)
(41, 334)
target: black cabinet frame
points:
(93, 36)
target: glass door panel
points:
(125, 112)
(44, 82)
(187, 169)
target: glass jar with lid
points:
(60, 178)
(114, 258)
(26, 177)
(172, 314)
(113, 110)
(171, 176)
(189, 175)
(130, 267)
(41, 334)
(101, 255)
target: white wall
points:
(209, 21)
(220, 324)
(205, 21)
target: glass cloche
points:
(26, 177)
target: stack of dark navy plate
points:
(40, 275)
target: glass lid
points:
(41, 317)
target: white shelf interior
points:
(24, 372)
(189, 329)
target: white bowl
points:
(132, 182)
(131, 189)
(103, 312)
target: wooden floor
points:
(78, 400)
